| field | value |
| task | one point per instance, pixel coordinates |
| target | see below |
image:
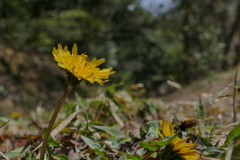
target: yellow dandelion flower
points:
(16, 114)
(167, 129)
(184, 149)
(178, 148)
(79, 65)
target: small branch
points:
(234, 97)
(2, 155)
(97, 116)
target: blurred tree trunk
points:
(229, 37)
(237, 54)
(185, 34)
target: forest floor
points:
(206, 89)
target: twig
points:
(97, 116)
(2, 155)
(234, 97)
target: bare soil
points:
(222, 108)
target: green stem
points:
(51, 123)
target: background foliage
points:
(183, 43)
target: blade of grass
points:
(231, 135)
(217, 95)
(205, 142)
(4, 125)
(215, 150)
(201, 116)
(229, 152)
(230, 148)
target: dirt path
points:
(222, 109)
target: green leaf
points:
(131, 136)
(229, 151)
(134, 157)
(96, 123)
(231, 135)
(99, 152)
(105, 158)
(15, 153)
(91, 144)
(30, 156)
(236, 150)
(62, 157)
(201, 116)
(51, 151)
(109, 130)
(232, 148)
(217, 143)
(148, 146)
(44, 132)
(123, 157)
(142, 151)
(205, 142)
(166, 141)
(213, 150)
(235, 158)
(51, 141)
(111, 88)
(142, 132)
(152, 127)
(95, 146)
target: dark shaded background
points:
(146, 43)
